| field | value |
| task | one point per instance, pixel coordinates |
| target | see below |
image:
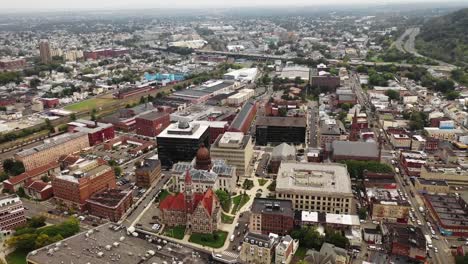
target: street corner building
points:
(199, 212)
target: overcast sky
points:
(118, 4)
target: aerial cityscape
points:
(251, 132)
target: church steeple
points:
(188, 192)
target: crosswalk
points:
(231, 254)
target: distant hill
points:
(446, 38)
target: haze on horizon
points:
(120, 4)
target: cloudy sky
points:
(118, 4)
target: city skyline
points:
(29, 5)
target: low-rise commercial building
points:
(97, 132)
(152, 123)
(236, 149)
(449, 134)
(271, 216)
(52, 149)
(355, 150)
(450, 212)
(388, 205)
(244, 118)
(412, 161)
(147, 172)
(110, 204)
(15, 182)
(454, 175)
(404, 240)
(258, 249)
(330, 130)
(321, 187)
(241, 97)
(431, 186)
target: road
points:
(443, 257)
(313, 117)
(406, 43)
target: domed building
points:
(203, 159)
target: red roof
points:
(32, 173)
(38, 186)
(177, 202)
(188, 178)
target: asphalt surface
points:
(313, 124)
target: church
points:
(199, 212)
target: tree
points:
(283, 111)
(362, 213)
(34, 83)
(73, 117)
(298, 80)
(308, 237)
(13, 167)
(49, 125)
(345, 107)
(93, 114)
(356, 168)
(417, 121)
(444, 85)
(26, 242)
(143, 100)
(392, 94)
(336, 238)
(452, 95)
(37, 221)
(45, 178)
(224, 199)
(117, 171)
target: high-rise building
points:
(236, 149)
(44, 49)
(11, 213)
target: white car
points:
(436, 250)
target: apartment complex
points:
(52, 149)
(321, 187)
(271, 216)
(236, 149)
(73, 187)
(147, 172)
(11, 213)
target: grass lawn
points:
(238, 202)
(215, 240)
(300, 252)
(89, 104)
(262, 182)
(177, 232)
(227, 219)
(17, 257)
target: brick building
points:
(50, 102)
(138, 145)
(124, 119)
(328, 82)
(15, 182)
(404, 240)
(97, 132)
(83, 179)
(12, 64)
(104, 53)
(271, 216)
(244, 118)
(147, 172)
(39, 190)
(412, 161)
(11, 213)
(151, 124)
(52, 149)
(110, 204)
(277, 130)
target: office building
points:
(282, 152)
(73, 187)
(180, 142)
(236, 149)
(12, 213)
(52, 149)
(44, 50)
(276, 130)
(147, 172)
(431, 186)
(271, 216)
(110, 204)
(321, 187)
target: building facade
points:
(236, 149)
(271, 216)
(11, 213)
(73, 188)
(151, 124)
(258, 249)
(97, 132)
(277, 130)
(52, 149)
(147, 172)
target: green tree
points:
(13, 167)
(49, 125)
(93, 114)
(362, 213)
(336, 238)
(224, 199)
(417, 121)
(37, 221)
(452, 95)
(26, 242)
(345, 107)
(283, 111)
(298, 80)
(392, 94)
(73, 117)
(117, 171)
(34, 83)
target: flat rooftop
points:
(58, 140)
(184, 131)
(355, 149)
(272, 206)
(281, 121)
(104, 245)
(330, 178)
(449, 209)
